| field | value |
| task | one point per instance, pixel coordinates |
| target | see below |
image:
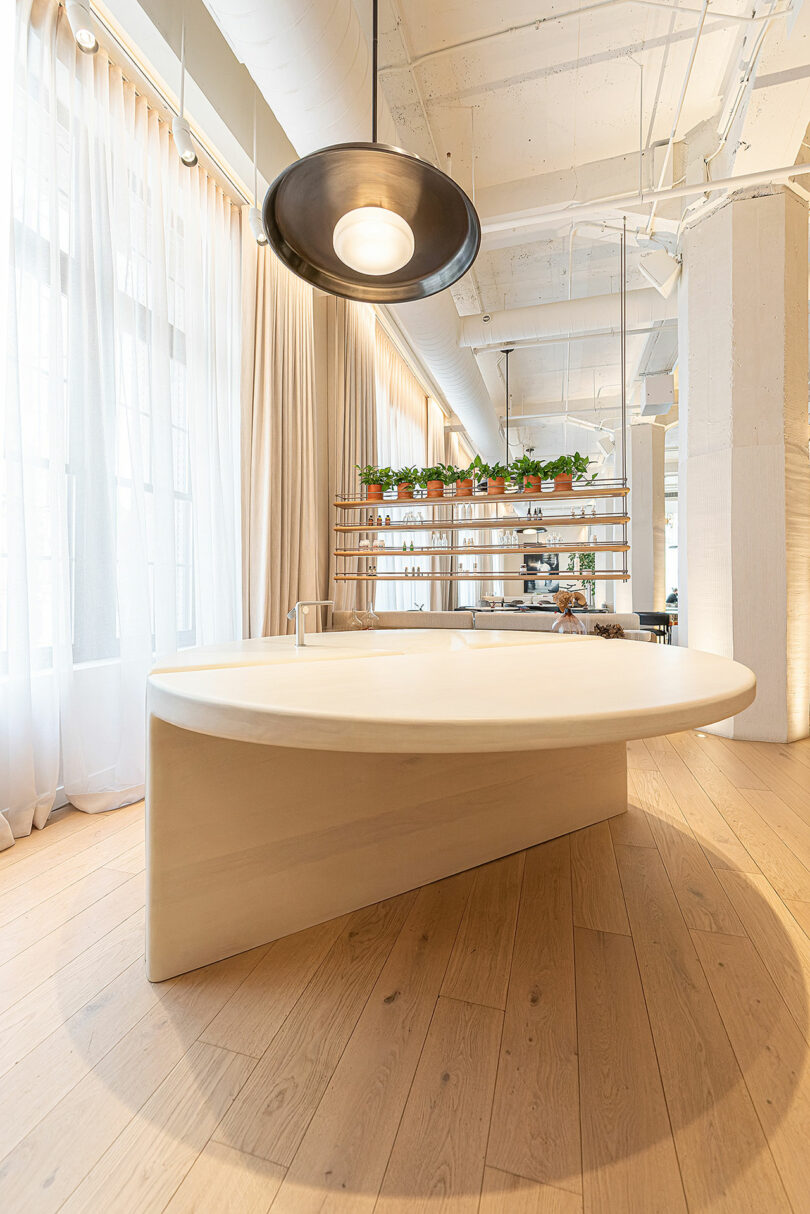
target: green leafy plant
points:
(521, 469)
(408, 476)
(493, 471)
(474, 471)
(436, 472)
(587, 563)
(575, 465)
(369, 475)
(452, 475)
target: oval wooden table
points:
(287, 786)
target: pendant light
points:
(371, 222)
(254, 214)
(181, 131)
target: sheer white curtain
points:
(401, 441)
(119, 519)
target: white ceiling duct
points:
(567, 318)
(312, 64)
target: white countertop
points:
(442, 691)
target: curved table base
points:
(248, 842)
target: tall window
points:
(119, 531)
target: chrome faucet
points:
(301, 609)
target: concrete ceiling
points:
(575, 108)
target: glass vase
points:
(568, 623)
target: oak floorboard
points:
(132, 861)
(632, 826)
(22, 898)
(729, 759)
(225, 1181)
(149, 1159)
(55, 912)
(256, 1011)
(271, 1114)
(479, 965)
(596, 891)
(56, 1155)
(34, 855)
(437, 1161)
(628, 1154)
(343, 1155)
(721, 846)
(704, 1089)
(780, 941)
(535, 1116)
(61, 825)
(791, 828)
(53, 951)
(700, 895)
(45, 1008)
(638, 757)
(771, 1051)
(504, 1193)
(777, 862)
(44, 1075)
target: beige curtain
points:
(280, 534)
(352, 423)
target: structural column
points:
(744, 514)
(647, 517)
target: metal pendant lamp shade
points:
(371, 222)
(307, 202)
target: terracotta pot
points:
(404, 490)
(375, 493)
(435, 488)
(495, 484)
(464, 488)
(533, 484)
(564, 481)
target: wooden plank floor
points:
(613, 1021)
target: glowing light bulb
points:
(373, 240)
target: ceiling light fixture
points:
(80, 20)
(371, 222)
(254, 214)
(181, 131)
(661, 269)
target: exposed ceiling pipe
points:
(312, 63)
(627, 203)
(678, 112)
(567, 319)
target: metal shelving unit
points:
(452, 514)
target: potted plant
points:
(376, 480)
(468, 476)
(433, 478)
(496, 475)
(528, 472)
(405, 479)
(565, 468)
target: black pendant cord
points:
(374, 34)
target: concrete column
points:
(647, 517)
(744, 519)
